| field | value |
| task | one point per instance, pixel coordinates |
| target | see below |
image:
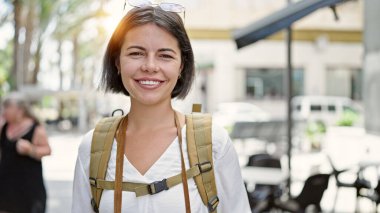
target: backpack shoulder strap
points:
(101, 146)
(199, 146)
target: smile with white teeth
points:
(149, 82)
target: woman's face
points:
(11, 111)
(149, 64)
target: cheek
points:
(126, 80)
(172, 71)
(129, 67)
(8, 113)
(126, 72)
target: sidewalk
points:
(59, 171)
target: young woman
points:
(23, 142)
(150, 59)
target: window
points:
(331, 108)
(269, 83)
(315, 108)
(349, 81)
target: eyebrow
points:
(159, 50)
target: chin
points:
(151, 101)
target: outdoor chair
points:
(373, 195)
(263, 197)
(268, 163)
(311, 194)
(253, 159)
(359, 183)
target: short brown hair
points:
(169, 21)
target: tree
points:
(17, 8)
(73, 15)
(36, 20)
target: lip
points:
(149, 86)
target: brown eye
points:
(136, 54)
(166, 56)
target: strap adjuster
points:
(94, 206)
(93, 182)
(157, 187)
(213, 204)
(205, 166)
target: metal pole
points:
(289, 95)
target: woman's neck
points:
(16, 122)
(147, 117)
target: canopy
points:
(279, 20)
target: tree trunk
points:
(60, 64)
(75, 64)
(17, 5)
(37, 62)
(29, 30)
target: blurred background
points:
(52, 52)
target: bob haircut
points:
(21, 102)
(169, 21)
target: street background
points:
(51, 52)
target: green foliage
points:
(348, 118)
(5, 67)
(61, 20)
(48, 102)
(316, 127)
(315, 131)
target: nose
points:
(150, 65)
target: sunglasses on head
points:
(168, 7)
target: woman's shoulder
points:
(220, 141)
(219, 133)
(84, 149)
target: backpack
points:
(199, 146)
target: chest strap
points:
(142, 189)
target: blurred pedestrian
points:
(150, 59)
(23, 142)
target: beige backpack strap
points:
(197, 108)
(101, 146)
(142, 189)
(120, 138)
(199, 145)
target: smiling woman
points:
(149, 65)
(148, 168)
(110, 77)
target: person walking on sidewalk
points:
(23, 142)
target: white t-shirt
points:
(229, 183)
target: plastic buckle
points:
(157, 187)
(94, 206)
(205, 167)
(213, 204)
(93, 182)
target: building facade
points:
(327, 54)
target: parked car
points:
(328, 109)
(230, 112)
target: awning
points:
(279, 20)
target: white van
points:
(328, 109)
